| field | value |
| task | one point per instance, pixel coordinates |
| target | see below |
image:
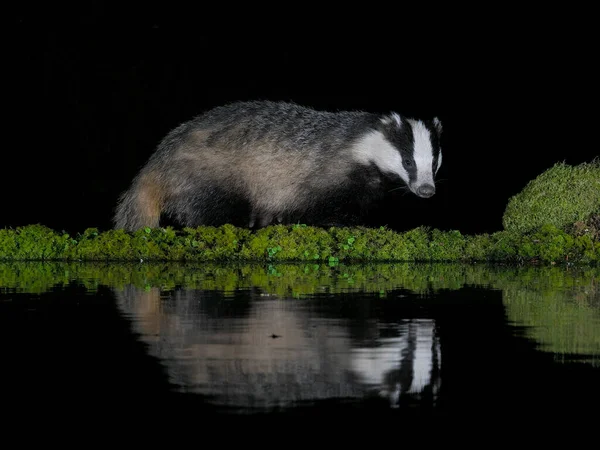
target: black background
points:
(92, 89)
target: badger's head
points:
(406, 148)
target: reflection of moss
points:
(289, 278)
(559, 308)
(560, 196)
(563, 321)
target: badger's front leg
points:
(262, 219)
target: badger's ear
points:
(392, 119)
(438, 125)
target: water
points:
(386, 340)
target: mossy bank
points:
(555, 219)
(564, 196)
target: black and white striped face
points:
(423, 163)
(407, 148)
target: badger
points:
(255, 163)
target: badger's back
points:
(240, 126)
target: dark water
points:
(407, 340)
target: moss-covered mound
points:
(561, 196)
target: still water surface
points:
(442, 339)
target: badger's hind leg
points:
(205, 203)
(140, 206)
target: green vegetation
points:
(555, 219)
(281, 243)
(561, 196)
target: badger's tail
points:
(141, 205)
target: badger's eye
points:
(407, 163)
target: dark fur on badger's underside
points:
(257, 163)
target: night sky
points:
(92, 91)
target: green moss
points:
(34, 242)
(285, 243)
(446, 246)
(206, 243)
(560, 196)
(477, 247)
(280, 243)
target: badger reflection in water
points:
(404, 366)
(249, 350)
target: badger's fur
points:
(258, 162)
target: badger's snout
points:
(425, 190)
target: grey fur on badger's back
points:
(258, 162)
